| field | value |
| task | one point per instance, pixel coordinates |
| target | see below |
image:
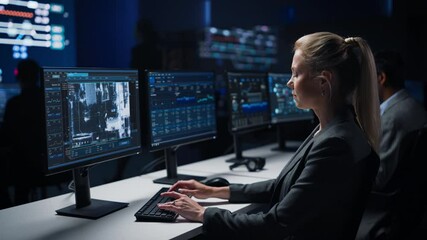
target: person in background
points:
(322, 191)
(22, 131)
(146, 54)
(23, 136)
(400, 113)
(390, 213)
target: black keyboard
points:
(151, 213)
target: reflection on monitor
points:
(249, 105)
(92, 116)
(7, 91)
(181, 110)
(282, 105)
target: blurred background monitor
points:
(248, 49)
(42, 30)
(181, 111)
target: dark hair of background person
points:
(27, 73)
(392, 64)
(146, 54)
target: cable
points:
(147, 168)
(71, 186)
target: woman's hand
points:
(200, 190)
(192, 188)
(184, 206)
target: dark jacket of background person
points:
(23, 133)
(395, 206)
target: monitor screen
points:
(7, 91)
(181, 110)
(248, 100)
(416, 89)
(282, 104)
(92, 115)
(181, 107)
(41, 30)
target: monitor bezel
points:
(250, 128)
(274, 121)
(136, 150)
(146, 95)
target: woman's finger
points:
(173, 194)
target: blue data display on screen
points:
(7, 91)
(248, 100)
(282, 104)
(181, 107)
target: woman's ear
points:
(325, 79)
(326, 76)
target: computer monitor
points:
(181, 110)
(249, 105)
(7, 91)
(416, 89)
(282, 106)
(91, 116)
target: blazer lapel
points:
(299, 154)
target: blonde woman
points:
(321, 192)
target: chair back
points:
(411, 201)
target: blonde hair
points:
(353, 61)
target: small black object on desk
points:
(216, 182)
(252, 163)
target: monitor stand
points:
(238, 150)
(86, 207)
(281, 140)
(171, 170)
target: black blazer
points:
(320, 193)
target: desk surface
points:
(275, 161)
(38, 220)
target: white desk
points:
(38, 220)
(275, 161)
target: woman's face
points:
(305, 89)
